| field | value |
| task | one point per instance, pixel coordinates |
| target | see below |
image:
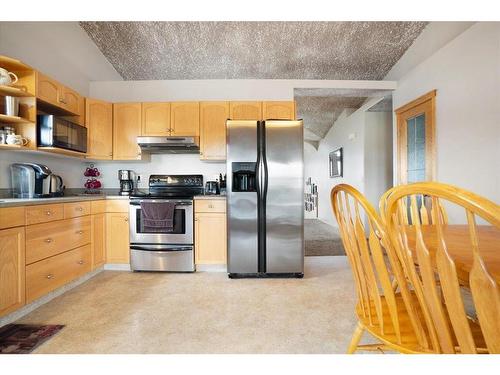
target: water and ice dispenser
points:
(244, 178)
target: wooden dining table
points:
(458, 244)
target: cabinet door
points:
(98, 231)
(213, 116)
(155, 119)
(185, 119)
(70, 100)
(210, 238)
(117, 238)
(245, 111)
(278, 110)
(99, 121)
(12, 270)
(126, 128)
(47, 89)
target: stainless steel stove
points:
(171, 249)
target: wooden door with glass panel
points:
(416, 140)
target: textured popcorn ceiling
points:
(320, 108)
(258, 50)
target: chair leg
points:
(358, 332)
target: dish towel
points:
(157, 217)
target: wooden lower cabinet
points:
(49, 274)
(210, 238)
(49, 239)
(117, 238)
(12, 270)
(98, 234)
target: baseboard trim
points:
(25, 310)
(211, 268)
(117, 267)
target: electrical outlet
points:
(139, 179)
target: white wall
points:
(378, 155)
(219, 89)
(70, 169)
(367, 156)
(161, 164)
(466, 75)
(62, 50)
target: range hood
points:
(169, 145)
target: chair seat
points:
(409, 341)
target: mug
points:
(6, 77)
(16, 139)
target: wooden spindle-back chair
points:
(392, 317)
(435, 281)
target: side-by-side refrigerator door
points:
(242, 223)
(284, 149)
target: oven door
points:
(181, 233)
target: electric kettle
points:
(5, 77)
(56, 185)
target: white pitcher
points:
(5, 77)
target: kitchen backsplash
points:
(71, 170)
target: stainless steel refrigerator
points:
(265, 198)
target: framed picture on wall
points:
(336, 163)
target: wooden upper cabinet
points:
(99, 122)
(127, 126)
(53, 92)
(47, 89)
(12, 269)
(155, 119)
(70, 100)
(213, 116)
(185, 119)
(278, 110)
(245, 111)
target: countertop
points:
(199, 197)
(12, 202)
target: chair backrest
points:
(441, 250)
(374, 264)
(425, 210)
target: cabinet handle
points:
(79, 208)
(126, 219)
(110, 154)
(50, 276)
(79, 232)
(210, 206)
(48, 240)
(48, 213)
(81, 261)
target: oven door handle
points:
(177, 203)
(161, 248)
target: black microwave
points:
(54, 131)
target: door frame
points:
(424, 104)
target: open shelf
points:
(14, 120)
(14, 91)
(13, 147)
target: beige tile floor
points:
(124, 312)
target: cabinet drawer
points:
(46, 275)
(48, 239)
(210, 205)
(76, 209)
(12, 217)
(44, 213)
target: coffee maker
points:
(31, 180)
(126, 178)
